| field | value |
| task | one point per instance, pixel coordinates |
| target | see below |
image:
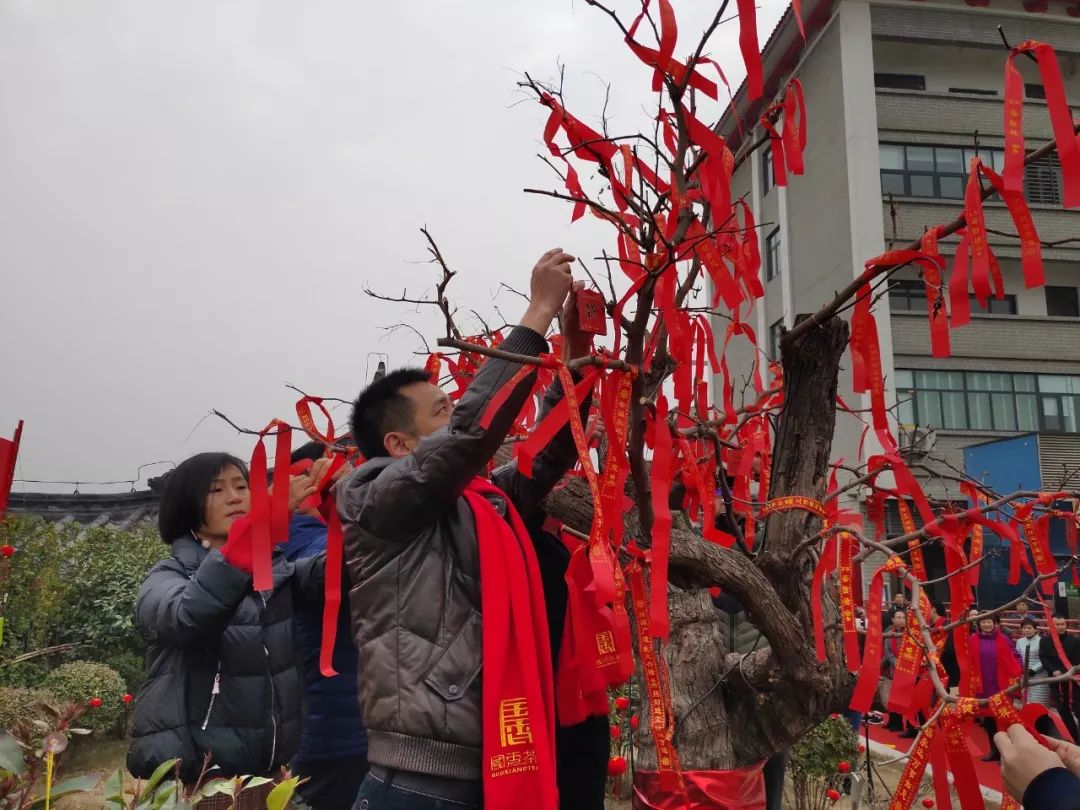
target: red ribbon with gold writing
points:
(660, 476)
(1040, 551)
(935, 295)
(846, 553)
(910, 781)
(907, 523)
(654, 672)
(869, 675)
(976, 231)
(1061, 121)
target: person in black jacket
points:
(224, 679)
(581, 751)
(333, 744)
(1054, 666)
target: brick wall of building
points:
(1052, 223)
(926, 112)
(1045, 340)
(970, 26)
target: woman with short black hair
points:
(223, 675)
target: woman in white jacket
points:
(1028, 647)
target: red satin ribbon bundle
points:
(269, 511)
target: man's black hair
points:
(1028, 620)
(312, 451)
(183, 501)
(381, 408)
(1059, 615)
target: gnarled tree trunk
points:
(734, 710)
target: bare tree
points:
(667, 196)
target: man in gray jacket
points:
(411, 551)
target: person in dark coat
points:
(581, 751)
(1068, 699)
(224, 679)
(333, 744)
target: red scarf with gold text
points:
(518, 687)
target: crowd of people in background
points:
(1005, 645)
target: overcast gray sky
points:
(194, 194)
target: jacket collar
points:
(189, 552)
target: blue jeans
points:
(375, 794)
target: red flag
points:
(9, 451)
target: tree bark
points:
(736, 710)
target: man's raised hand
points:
(551, 280)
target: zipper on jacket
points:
(273, 699)
(214, 691)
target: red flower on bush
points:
(927, 802)
(635, 721)
(843, 766)
(94, 703)
(833, 795)
(616, 766)
(127, 698)
(862, 748)
(622, 703)
(7, 550)
(616, 732)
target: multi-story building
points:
(899, 96)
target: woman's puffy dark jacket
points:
(223, 673)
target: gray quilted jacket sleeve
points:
(550, 464)
(176, 611)
(411, 491)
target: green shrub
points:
(131, 666)
(815, 760)
(23, 704)
(71, 584)
(81, 682)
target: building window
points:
(1034, 91)
(910, 296)
(971, 91)
(899, 81)
(772, 255)
(941, 172)
(930, 171)
(776, 332)
(1042, 180)
(766, 169)
(1062, 302)
(986, 400)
